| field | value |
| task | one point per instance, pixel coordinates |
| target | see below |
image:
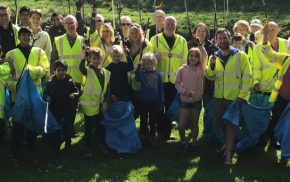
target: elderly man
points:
(8, 31)
(171, 51)
(265, 71)
(95, 32)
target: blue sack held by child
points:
(282, 132)
(120, 129)
(30, 110)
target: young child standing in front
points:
(94, 98)
(61, 92)
(150, 96)
(189, 83)
(119, 74)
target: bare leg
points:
(194, 130)
(182, 123)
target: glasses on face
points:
(125, 24)
(98, 20)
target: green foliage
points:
(199, 11)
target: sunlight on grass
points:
(189, 174)
(141, 173)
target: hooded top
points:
(191, 79)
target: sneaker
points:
(183, 147)
(228, 158)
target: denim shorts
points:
(195, 105)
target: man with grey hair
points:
(69, 47)
(171, 52)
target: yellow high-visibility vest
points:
(71, 55)
(232, 80)
(171, 59)
(93, 93)
(37, 64)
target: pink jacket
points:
(191, 79)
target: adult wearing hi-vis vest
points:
(230, 70)
(69, 47)
(171, 52)
(24, 56)
(265, 70)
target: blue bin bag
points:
(173, 112)
(120, 128)
(233, 113)
(282, 132)
(253, 116)
(29, 108)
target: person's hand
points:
(212, 62)
(158, 56)
(104, 107)
(126, 50)
(189, 93)
(257, 88)
(48, 99)
(238, 99)
(71, 96)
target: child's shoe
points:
(228, 158)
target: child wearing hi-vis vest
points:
(94, 98)
(4, 73)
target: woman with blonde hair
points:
(138, 46)
(105, 43)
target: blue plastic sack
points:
(282, 132)
(120, 128)
(29, 108)
(233, 113)
(173, 112)
(253, 116)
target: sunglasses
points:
(98, 20)
(125, 24)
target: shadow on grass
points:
(162, 163)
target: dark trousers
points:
(148, 113)
(135, 102)
(164, 126)
(93, 123)
(277, 112)
(2, 127)
(17, 138)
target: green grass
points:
(149, 164)
(50, 6)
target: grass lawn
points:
(162, 163)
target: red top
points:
(284, 90)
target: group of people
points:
(73, 66)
